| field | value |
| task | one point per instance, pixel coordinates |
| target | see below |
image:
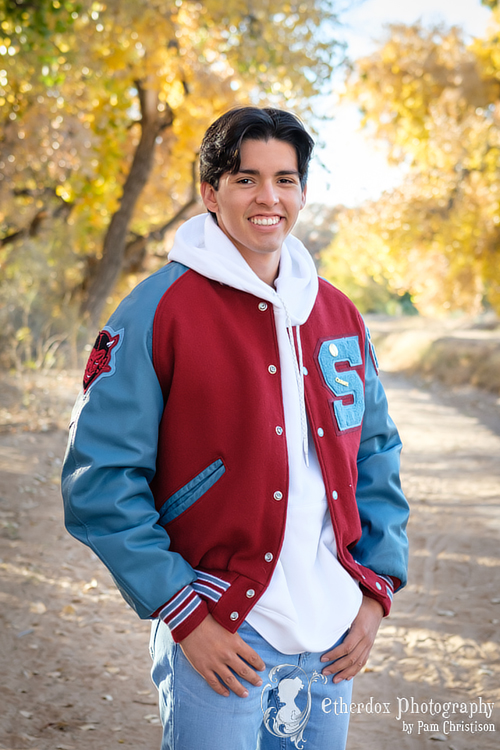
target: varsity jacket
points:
(176, 472)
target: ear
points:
(209, 197)
(304, 196)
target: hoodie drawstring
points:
(300, 381)
(298, 366)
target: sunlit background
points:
(104, 105)
(350, 167)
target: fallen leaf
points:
(485, 670)
(152, 718)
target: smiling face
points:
(258, 206)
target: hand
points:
(352, 654)
(213, 651)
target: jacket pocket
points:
(191, 492)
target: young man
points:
(232, 462)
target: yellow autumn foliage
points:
(70, 122)
(434, 101)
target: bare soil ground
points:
(74, 671)
(441, 643)
(73, 655)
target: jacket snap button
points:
(278, 495)
(279, 430)
(250, 593)
(234, 615)
(377, 584)
(268, 557)
(272, 369)
(335, 494)
(262, 306)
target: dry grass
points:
(453, 353)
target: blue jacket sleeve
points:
(382, 506)
(111, 455)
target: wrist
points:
(184, 612)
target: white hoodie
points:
(311, 600)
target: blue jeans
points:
(295, 707)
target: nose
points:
(267, 194)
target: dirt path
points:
(73, 657)
(441, 645)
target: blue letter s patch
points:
(346, 382)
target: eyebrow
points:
(281, 173)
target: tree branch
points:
(111, 263)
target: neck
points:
(269, 274)
(265, 266)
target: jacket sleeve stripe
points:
(203, 590)
(388, 581)
(180, 607)
(211, 580)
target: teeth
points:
(266, 222)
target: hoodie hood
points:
(200, 245)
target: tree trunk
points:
(108, 269)
(136, 248)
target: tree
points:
(103, 106)
(434, 101)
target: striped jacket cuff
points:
(183, 613)
(385, 591)
(210, 586)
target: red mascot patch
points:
(101, 362)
